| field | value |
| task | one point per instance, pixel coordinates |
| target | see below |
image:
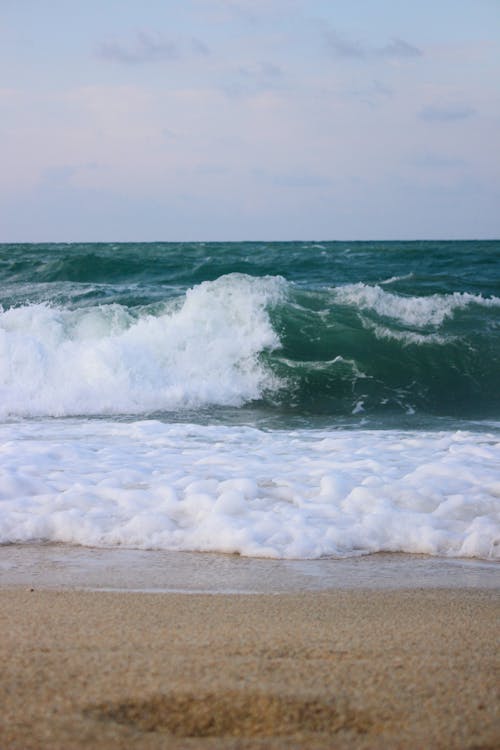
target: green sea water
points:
(389, 332)
(284, 400)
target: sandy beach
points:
(337, 669)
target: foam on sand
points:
(281, 494)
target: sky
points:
(215, 120)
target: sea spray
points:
(241, 339)
(200, 349)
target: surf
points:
(241, 339)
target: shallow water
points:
(62, 566)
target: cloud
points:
(254, 79)
(398, 49)
(169, 133)
(57, 176)
(199, 47)
(446, 112)
(146, 47)
(371, 94)
(344, 48)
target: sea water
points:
(282, 400)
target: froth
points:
(284, 494)
(405, 337)
(419, 312)
(202, 349)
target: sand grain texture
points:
(342, 669)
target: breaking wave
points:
(241, 339)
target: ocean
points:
(296, 400)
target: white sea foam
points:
(405, 337)
(282, 494)
(393, 279)
(106, 360)
(413, 311)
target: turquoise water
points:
(384, 332)
(296, 400)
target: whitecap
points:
(413, 311)
(201, 349)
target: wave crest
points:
(200, 349)
(431, 310)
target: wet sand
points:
(60, 566)
(406, 668)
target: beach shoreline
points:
(61, 566)
(345, 667)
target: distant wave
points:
(413, 311)
(394, 279)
